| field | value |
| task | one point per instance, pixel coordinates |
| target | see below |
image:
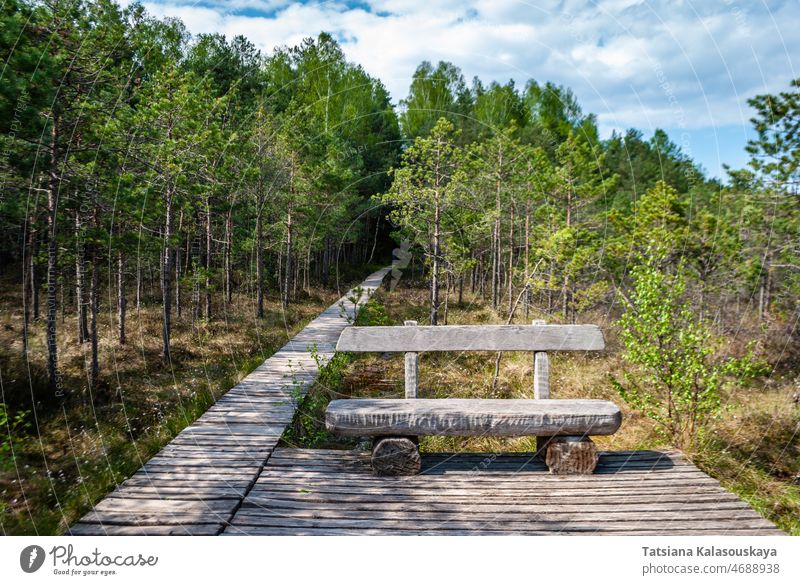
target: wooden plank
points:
(325, 531)
(179, 493)
(472, 338)
(254, 430)
(633, 498)
(310, 481)
(154, 518)
(87, 529)
(503, 509)
(523, 493)
(159, 505)
(251, 515)
(503, 526)
(470, 417)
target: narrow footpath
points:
(197, 482)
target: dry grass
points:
(72, 456)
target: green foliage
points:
(13, 431)
(776, 152)
(308, 425)
(373, 313)
(307, 428)
(674, 377)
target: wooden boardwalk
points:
(223, 475)
(197, 482)
(317, 492)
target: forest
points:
(149, 175)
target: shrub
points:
(12, 431)
(675, 379)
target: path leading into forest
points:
(223, 475)
(196, 483)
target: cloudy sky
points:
(685, 66)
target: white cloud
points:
(636, 63)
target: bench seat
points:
(472, 417)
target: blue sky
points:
(685, 66)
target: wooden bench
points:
(562, 427)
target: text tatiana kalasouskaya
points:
(709, 551)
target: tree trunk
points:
(166, 278)
(496, 259)
(80, 281)
(446, 297)
(34, 274)
(288, 269)
(178, 296)
(326, 262)
(138, 285)
(121, 302)
(94, 284)
(436, 253)
(295, 278)
(527, 297)
(375, 238)
(197, 261)
(178, 267)
(259, 264)
(473, 277)
(27, 284)
(228, 260)
(208, 260)
(52, 260)
(511, 264)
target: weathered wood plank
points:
(86, 529)
(179, 492)
(553, 526)
(318, 531)
(154, 518)
(467, 417)
(569, 500)
(472, 338)
(253, 515)
(159, 505)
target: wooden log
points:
(396, 456)
(571, 455)
(411, 368)
(471, 417)
(472, 338)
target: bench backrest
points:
(472, 338)
(412, 339)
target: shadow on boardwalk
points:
(303, 491)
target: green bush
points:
(12, 432)
(674, 379)
(373, 313)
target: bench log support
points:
(571, 455)
(393, 456)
